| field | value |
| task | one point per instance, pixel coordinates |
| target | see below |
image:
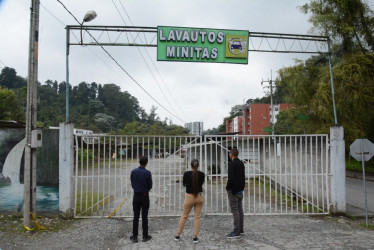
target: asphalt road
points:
(356, 199)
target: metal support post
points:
(67, 72)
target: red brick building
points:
(256, 118)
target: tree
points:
(10, 109)
(308, 87)
(10, 80)
(134, 128)
(105, 122)
(350, 24)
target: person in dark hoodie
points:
(235, 189)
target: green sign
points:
(202, 45)
(268, 129)
(302, 117)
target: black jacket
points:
(236, 176)
(187, 181)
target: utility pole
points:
(271, 100)
(29, 195)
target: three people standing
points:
(141, 182)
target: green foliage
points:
(10, 108)
(353, 165)
(350, 24)
(101, 108)
(308, 86)
(10, 80)
(157, 128)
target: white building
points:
(196, 128)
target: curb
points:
(358, 175)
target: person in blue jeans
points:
(235, 189)
(141, 182)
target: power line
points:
(119, 65)
(154, 65)
(153, 76)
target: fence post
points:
(66, 168)
(337, 160)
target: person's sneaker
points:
(195, 240)
(233, 235)
(241, 232)
(134, 239)
(177, 238)
(147, 238)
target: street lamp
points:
(90, 15)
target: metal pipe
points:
(332, 85)
(67, 72)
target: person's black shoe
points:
(147, 238)
(134, 239)
(195, 240)
(177, 238)
(241, 232)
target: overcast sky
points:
(195, 91)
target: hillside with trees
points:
(101, 108)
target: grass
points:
(88, 202)
(353, 165)
(371, 227)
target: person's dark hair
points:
(234, 152)
(143, 161)
(195, 177)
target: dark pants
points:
(140, 202)
(236, 204)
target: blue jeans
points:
(236, 204)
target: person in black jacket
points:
(235, 189)
(193, 181)
(141, 182)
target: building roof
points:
(11, 124)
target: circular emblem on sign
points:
(237, 46)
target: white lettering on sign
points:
(214, 53)
(186, 37)
(194, 36)
(220, 37)
(162, 38)
(191, 36)
(211, 37)
(170, 51)
(202, 34)
(190, 52)
(171, 36)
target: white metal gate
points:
(284, 174)
(103, 165)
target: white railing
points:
(284, 174)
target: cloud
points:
(205, 92)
